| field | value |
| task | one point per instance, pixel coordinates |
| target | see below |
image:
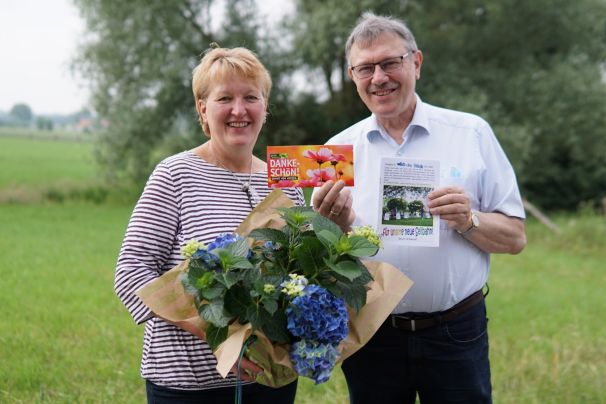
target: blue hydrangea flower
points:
(223, 240)
(317, 315)
(314, 359)
(211, 261)
(270, 245)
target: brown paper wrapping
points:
(167, 298)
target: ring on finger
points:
(333, 213)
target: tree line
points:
(533, 69)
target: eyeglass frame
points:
(374, 65)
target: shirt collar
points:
(418, 124)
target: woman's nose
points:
(238, 108)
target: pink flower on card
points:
(321, 174)
(321, 156)
(283, 184)
(335, 158)
(308, 183)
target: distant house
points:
(85, 125)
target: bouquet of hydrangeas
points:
(296, 282)
(292, 284)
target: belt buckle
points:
(412, 321)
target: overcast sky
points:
(38, 38)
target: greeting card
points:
(309, 165)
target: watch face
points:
(475, 220)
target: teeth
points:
(382, 92)
(238, 124)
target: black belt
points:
(407, 323)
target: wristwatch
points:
(475, 223)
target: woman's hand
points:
(248, 370)
(335, 203)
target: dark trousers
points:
(251, 394)
(447, 363)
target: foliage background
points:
(534, 70)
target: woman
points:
(199, 194)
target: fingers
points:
(448, 200)
(335, 202)
(329, 201)
(248, 370)
(442, 191)
(342, 204)
(452, 204)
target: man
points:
(435, 343)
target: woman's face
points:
(235, 112)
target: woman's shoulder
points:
(181, 166)
(184, 157)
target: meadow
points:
(65, 337)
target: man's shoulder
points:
(452, 117)
(354, 133)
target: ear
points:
(201, 108)
(350, 73)
(418, 62)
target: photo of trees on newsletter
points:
(406, 205)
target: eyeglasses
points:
(388, 66)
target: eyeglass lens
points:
(388, 66)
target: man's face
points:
(388, 95)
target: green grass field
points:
(35, 163)
(65, 337)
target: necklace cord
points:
(246, 187)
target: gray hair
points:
(371, 26)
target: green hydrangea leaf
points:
(271, 305)
(213, 292)
(239, 263)
(257, 316)
(273, 235)
(297, 216)
(361, 247)
(275, 328)
(349, 269)
(328, 238)
(237, 299)
(353, 294)
(364, 277)
(228, 279)
(321, 223)
(186, 282)
(214, 313)
(251, 276)
(215, 335)
(239, 248)
(310, 256)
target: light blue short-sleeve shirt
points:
(470, 156)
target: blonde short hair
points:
(219, 65)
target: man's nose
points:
(379, 76)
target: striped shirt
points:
(185, 198)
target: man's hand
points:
(452, 204)
(335, 203)
(497, 233)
